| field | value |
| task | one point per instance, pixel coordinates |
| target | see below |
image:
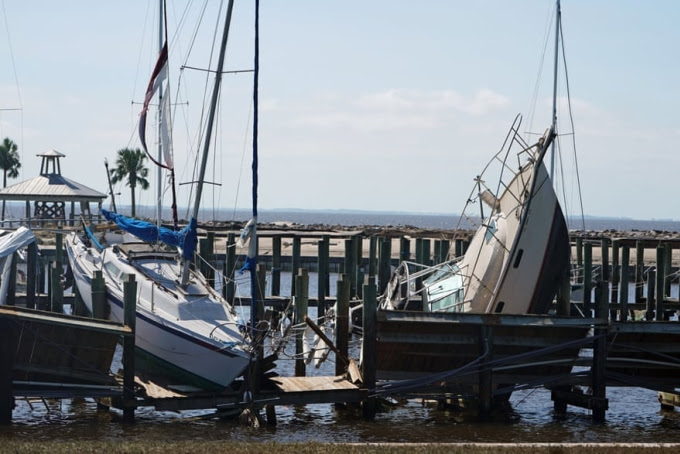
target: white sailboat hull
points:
(194, 338)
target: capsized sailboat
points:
(517, 257)
(184, 328)
(11, 242)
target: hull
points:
(188, 335)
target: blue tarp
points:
(186, 239)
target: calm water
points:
(634, 414)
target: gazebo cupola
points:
(50, 160)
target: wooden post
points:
(57, 295)
(579, 260)
(261, 272)
(623, 294)
(460, 247)
(606, 276)
(359, 257)
(599, 402)
(295, 263)
(350, 266)
(229, 289)
(667, 261)
(368, 363)
(129, 319)
(42, 278)
(12, 284)
(419, 251)
(31, 270)
(651, 287)
(485, 374)
(276, 266)
(444, 251)
(426, 254)
(639, 270)
(385, 265)
(372, 256)
(7, 351)
(322, 276)
(342, 323)
(98, 289)
(616, 245)
(301, 304)
(660, 283)
(587, 278)
(404, 249)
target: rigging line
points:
(571, 121)
(243, 154)
(534, 98)
(11, 52)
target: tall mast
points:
(159, 170)
(208, 132)
(558, 20)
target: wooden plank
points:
(306, 384)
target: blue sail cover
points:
(186, 239)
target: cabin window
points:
(112, 269)
(518, 258)
(499, 307)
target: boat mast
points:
(208, 132)
(159, 170)
(558, 19)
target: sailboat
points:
(517, 257)
(11, 242)
(184, 328)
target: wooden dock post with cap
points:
(301, 304)
(130, 319)
(368, 369)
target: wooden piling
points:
(368, 365)
(385, 264)
(295, 264)
(667, 261)
(12, 284)
(372, 256)
(276, 265)
(57, 294)
(639, 271)
(98, 289)
(623, 293)
(404, 249)
(426, 252)
(229, 289)
(660, 282)
(322, 276)
(651, 294)
(7, 351)
(579, 260)
(350, 268)
(485, 379)
(31, 274)
(301, 305)
(616, 245)
(261, 287)
(342, 322)
(587, 278)
(129, 319)
(599, 403)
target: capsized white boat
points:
(518, 256)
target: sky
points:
(382, 105)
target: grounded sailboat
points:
(184, 328)
(518, 256)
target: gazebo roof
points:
(51, 154)
(50, 188)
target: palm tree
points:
(9, 163)
(130, 164)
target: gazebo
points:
(50, 192)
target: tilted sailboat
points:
(184, 328)
(518, 256)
